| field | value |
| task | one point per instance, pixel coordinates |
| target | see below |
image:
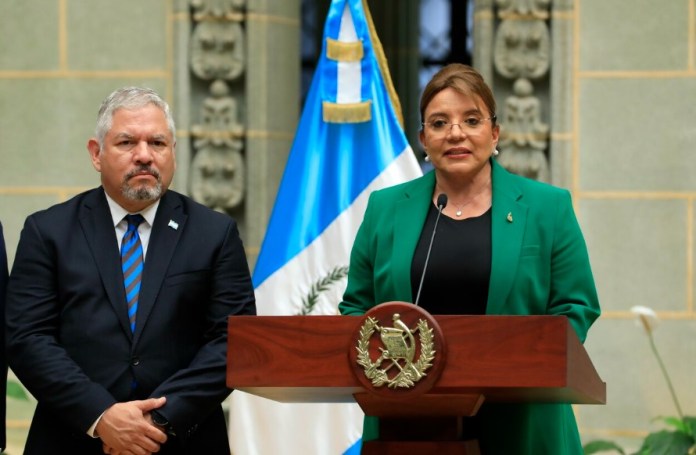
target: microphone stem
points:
(427, 256)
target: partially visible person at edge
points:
(3, 357)
(112, 376)
(505, 245)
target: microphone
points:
(441, 204)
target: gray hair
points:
(129, 98)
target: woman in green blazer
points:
(504, 245)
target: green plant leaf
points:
(666, 443)
(690, 422)
(601, 446)
(16, 391)
(675, 423)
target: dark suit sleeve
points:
(3, 358)
(193, 392)
(34, 348)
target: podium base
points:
(440, 435)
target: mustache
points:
(140, 169)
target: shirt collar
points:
(118, 212)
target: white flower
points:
(647, 318)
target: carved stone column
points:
(218, 57)
(527, 70)
(236, 101)
(218, 172)
(522, 55)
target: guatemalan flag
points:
(349, 142)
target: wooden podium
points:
(312, 359)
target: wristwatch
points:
(159, 420)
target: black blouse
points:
(459, 268)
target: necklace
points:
(460, 208)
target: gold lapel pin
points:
(509, 217)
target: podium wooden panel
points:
(493, 358)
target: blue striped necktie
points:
(132, 265)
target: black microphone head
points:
(441, 201)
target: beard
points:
(142, 192)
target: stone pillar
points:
(181, 102)
(484, 32)
(513, 53)
(522, 57)
(209, 91)
(561, 101)
(236, 96)
(272, 105)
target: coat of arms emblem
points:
(397, 365)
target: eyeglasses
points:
(471, 124)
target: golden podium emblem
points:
(396, 365)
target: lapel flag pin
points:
(509, 217)
(173, 224)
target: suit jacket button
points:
(135, 361)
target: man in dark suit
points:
(137, 366)
(3, 359)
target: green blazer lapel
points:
(509, 218)
(411, 211)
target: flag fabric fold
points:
(349, 142)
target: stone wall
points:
(58, 60)
(634, 183)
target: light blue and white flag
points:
(349, 142)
